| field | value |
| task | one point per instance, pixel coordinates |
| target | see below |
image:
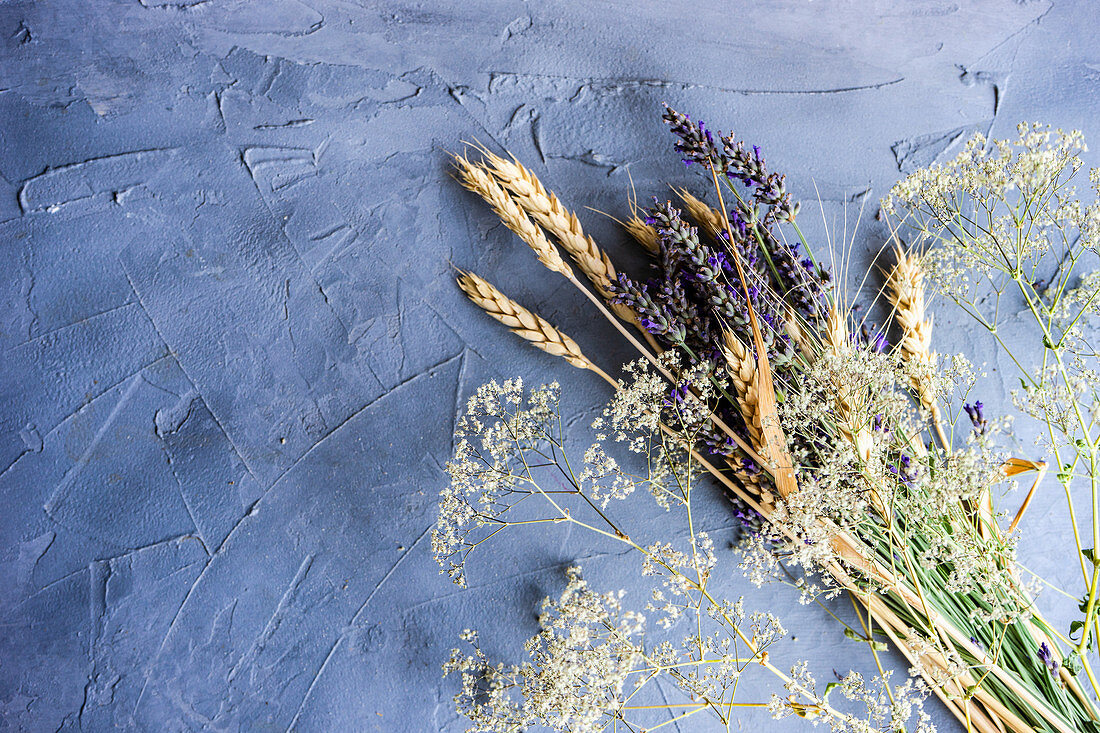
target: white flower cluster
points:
(580, 662)
(997, 208)
(493, 438)
(588, 660)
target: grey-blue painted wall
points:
(231, 348)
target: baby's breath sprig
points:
(591, 665)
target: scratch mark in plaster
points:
(611, 84)
(352, 416)
(265, 158)
(51, 584)
(351, 626)
(342, 236)
(1027, 26)
(922, 150)
(273, 71)
(462, 365)
(251, 512)
(183, 369)
(281, 167)
(992, 79)
(273, 622)
(107, 388)
(171, 627)
(591, 158)
(99, 572)
(303, 122)
(672, 715)
(60, 329)
(58, 496)
(68, 184)
(187, 504)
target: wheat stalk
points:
(477, 179)
(532, 327)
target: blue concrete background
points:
(231, 349)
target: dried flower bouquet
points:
(831, 444)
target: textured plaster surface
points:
(231, 348)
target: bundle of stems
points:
(831, 443)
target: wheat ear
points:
(477, 179)
(905, 289)
(530, 326)
(850, 422)
(644, 234)
(782, 469)
(741, 367)
(707, 217)
(548, 211)
(906, 292)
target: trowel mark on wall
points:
(97, 178)
(276, 168)
(913, 153)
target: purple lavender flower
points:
(751, 522)
(903, 470)
(879, 343)
(651, 315)
(976, 417)
(678, 394)
(729, 158)
(877, 340)
(1046, 656)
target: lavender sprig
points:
(653, 317)
(729, 158)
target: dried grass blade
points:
(1016, 466)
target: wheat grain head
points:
(532, 327)
(707, 217)
(549, 212)
(475, 178)
(643, 233)
(905, 289)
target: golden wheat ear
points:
(644, 234)
(701, 213)
(547, 210)
(905, 287)
(476, 178)
(532, 327)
